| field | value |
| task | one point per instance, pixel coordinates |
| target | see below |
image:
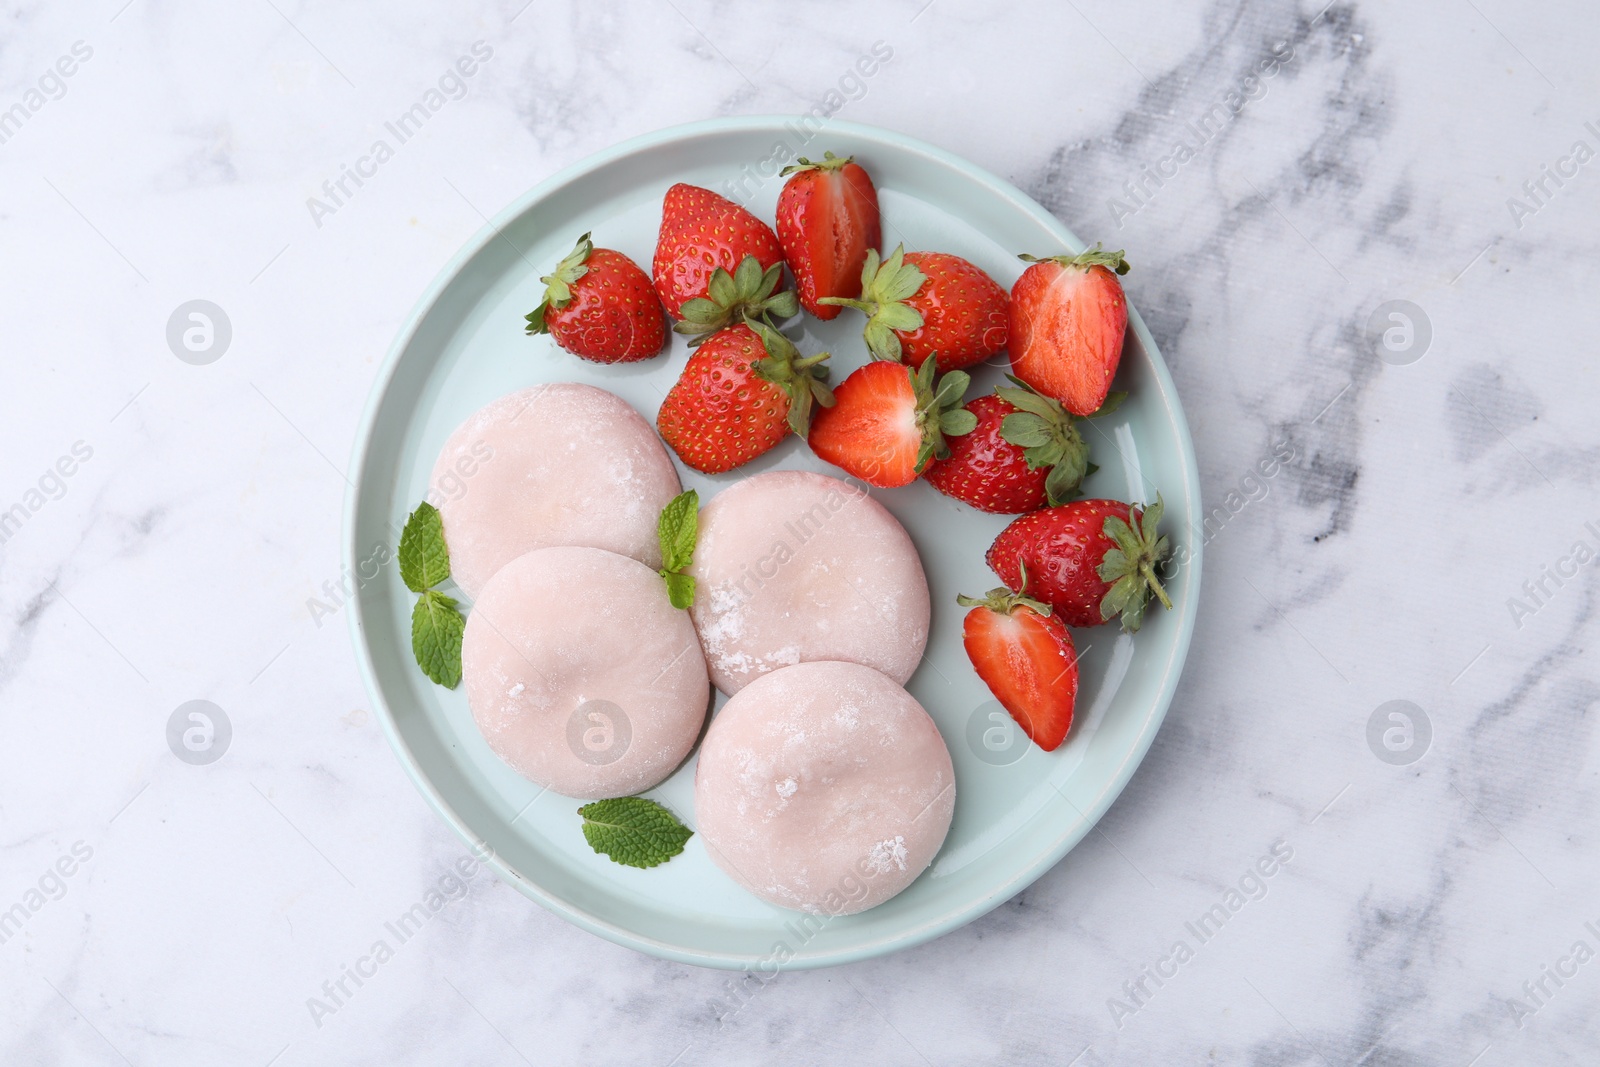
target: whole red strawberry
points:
(1026, 658)
(700, 232)
(922, 304)
(1089, 560)
(1068, 320)
(1025, 452)
(987, 471)
(599, 305)
(889, 421)
(739, 395)
(827, 222)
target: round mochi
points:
(581, 674)
(823, 787)
(562, 464)
(794, 567)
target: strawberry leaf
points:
(799, 377)
(1151, 517)
(1133, 614)
(1113, 565)
(902, 318)
(1112, 402)
(1049, 435)
(1092, 257)
(700, 310)
(957, 423)
(1130, 567)
(558, 285)
(829, 161)
(820, 391)
(882, 342)
(1025, 431)
(1061, 484)
(952, 387)
(1004, 600)
(1117, 598)
(1031, 402)
(749, 293)
(535, 319)
(722, 290)
(748, 275)
(897, 280)
(885, 286)
(939, 400)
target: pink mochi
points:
(823, 787)
(793, 567)
(581, 674)
(562, 464)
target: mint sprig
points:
(436, 629)
(436, 623)
(424, 559)
(633, 831)
(678, 527)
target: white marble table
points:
(176, 521)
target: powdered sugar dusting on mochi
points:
(581, 674)
(798, 567)
(888, 855)
(552, 465)
(813, 808)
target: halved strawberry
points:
(1089, 560)
(890, 421)
(739, 395)
(929, 304)
(1067, 323)
(701, 231)
(600, 306)
(827, 222)
(1026, 658)
(1024, 453)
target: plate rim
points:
(970, 910)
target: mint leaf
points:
(679, 525)
(633, 831)
(680, 589)
(436, 628)
(424, 559)
(677, 529)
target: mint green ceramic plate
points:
(1016, 815)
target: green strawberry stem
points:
(1093, 257)
(1049, 438)
(1155, 585)
(748, 293)
(885, 288)
(803, 378)
(558, 284)
(1129, 566)
(1004, 601)
(829, 161)
(939, 410)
